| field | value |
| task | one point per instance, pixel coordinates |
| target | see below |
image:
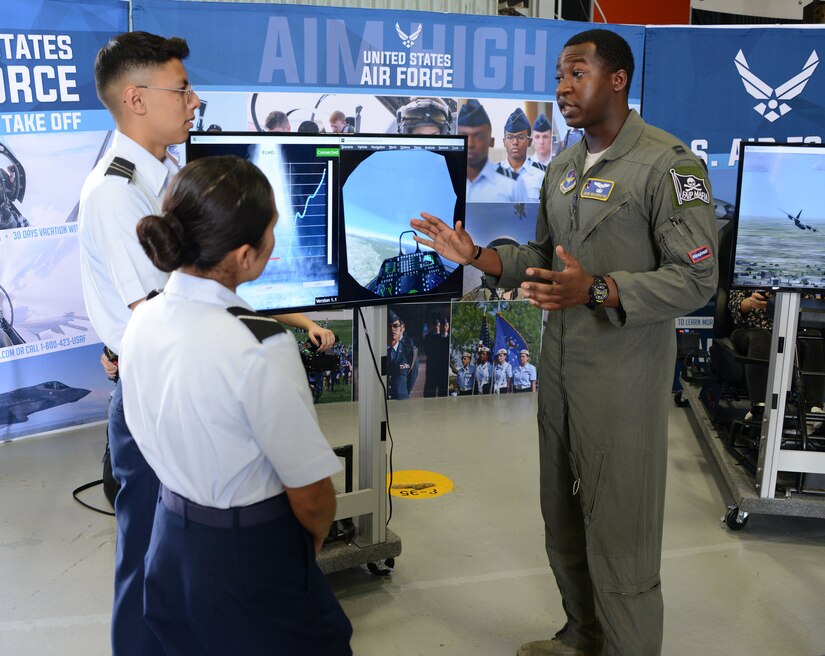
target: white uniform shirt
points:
(502, 373)
(530, 176)
(114, 269)
(492, 187)
(223, 419)
(464, 377)
(523, 376)
(484, 371)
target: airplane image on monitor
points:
(409, 273)
(797, 222)
(17, 405)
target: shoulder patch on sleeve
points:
(690, 186)
(121, 167)
(260, 326)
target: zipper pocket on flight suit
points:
(679, 239)
(613, 211)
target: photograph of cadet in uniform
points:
(517, 139)
(487, 338)
(464, 375)
(418, 343)
(542, 140)
(402, 357)
(436, 348)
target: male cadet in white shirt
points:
(542, 142)
(141, 80)
(486, 182)
(516, 141)
(524, 376)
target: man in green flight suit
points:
(625, 243)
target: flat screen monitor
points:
(779, 225)
(345, 201)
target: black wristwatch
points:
(599, 291)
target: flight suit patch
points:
(569, 183)
(690, 187)
(699, 254)
(597, 189)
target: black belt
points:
(243, 517)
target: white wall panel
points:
(766, 8)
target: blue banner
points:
(53, 129)
(265, 47)
(717, 87)
(508, 338)
(47, 53)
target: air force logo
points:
(409, 40)
(774, 108)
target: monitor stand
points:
(373, 544)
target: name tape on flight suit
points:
(597, 189)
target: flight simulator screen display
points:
(385, 183)
(344, 204)
(779, 235)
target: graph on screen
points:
(308, 234)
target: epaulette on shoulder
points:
(507, 173)
(121, 167)
(260, 326)
(540, 166)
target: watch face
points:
(599, 291)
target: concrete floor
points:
(472, 577)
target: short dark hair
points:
(133, 51)
(276, 120)
(213, 206)
(611, 48)
(308, 126)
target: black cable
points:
(86, 486)
(386, 414)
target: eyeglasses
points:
(188, 90)
(518, 138)
(396, 326)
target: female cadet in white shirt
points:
(220, 409)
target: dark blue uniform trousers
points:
(254, 590)
(134, 510)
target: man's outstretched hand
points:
(454, 244)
